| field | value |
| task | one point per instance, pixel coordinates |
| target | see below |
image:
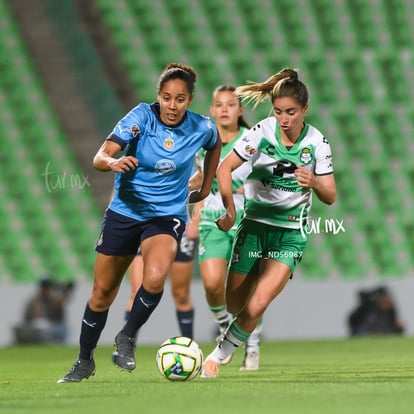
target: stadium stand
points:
(49, 218)
(357, 59)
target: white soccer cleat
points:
(251, 361)
(227, 360)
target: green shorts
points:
(214, 243)
(255, 241)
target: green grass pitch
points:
(358, 376)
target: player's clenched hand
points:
(226, 221)
(124, 164)
(198, 195)
(304, 177)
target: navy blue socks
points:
(144, 304)
(92, 326)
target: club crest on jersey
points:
(168, 143)
(134, 130)
(306, 155)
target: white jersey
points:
(213, 207)
(272, 193)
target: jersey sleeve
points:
(128, 128)
(211, 135)
(248, 145)
(323, 158)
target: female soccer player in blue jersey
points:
(148, 209)
(291, 160)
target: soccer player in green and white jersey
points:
(215, 246)
(290, 161)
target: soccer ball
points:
(179, 359)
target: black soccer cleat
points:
(82, 368)
(124, 356)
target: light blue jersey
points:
(159, 185)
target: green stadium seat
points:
(336, 25)
(369, 23)
(37, 240)
(400, 25)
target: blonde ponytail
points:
(274, 87)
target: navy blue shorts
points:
(186, 250)
(121, 235)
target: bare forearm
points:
(225, 185)
(325, 194)
(103, 161)
(211, 161)
(323, 185)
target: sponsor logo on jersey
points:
(249, 149)
(306, 155)
(134, 130)
(164, 167)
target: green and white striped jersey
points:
(213, 205)
(272, 193)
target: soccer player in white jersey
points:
(215, 246)
(291, 160)
(148, 209)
